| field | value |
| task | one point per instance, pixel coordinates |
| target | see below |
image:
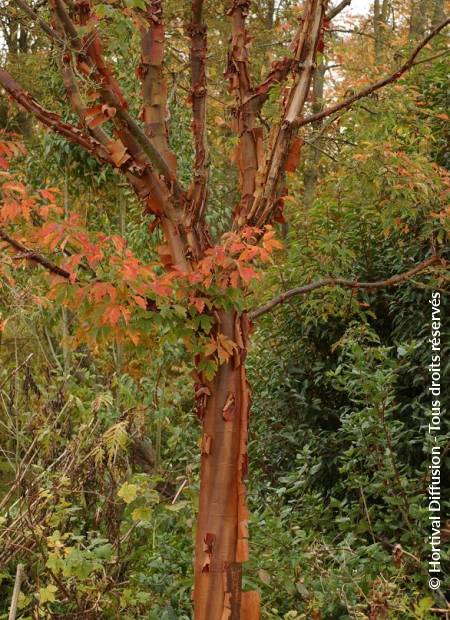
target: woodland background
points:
(99, 437)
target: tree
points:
(210, 279)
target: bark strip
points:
(198, 49)
(221, 542)
(249, 153)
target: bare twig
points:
(377, 85)
(50, 32)
(354, 284)
(177, 494)
(18, 367)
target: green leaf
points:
(47, 594)
(423, 606)
(178, 506)
(141, 514)
(128, 492)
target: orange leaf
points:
(140, 301)
(101, 289)
(119, 243)
(198, 303)
(49, 193)
(247, 273)
(15, 187)
(160, 289)
(210, 348)
(111, 315)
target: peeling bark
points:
(154, 88)
(222, 526)
(249, 154)
(282, 136)
(198, 49)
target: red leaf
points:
(49, 193)
(15, 187)
(198, 303)
(161, 289)
(119, 243)
(101, 289)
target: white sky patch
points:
(358, 7)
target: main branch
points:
(198, 50)
(283, 135)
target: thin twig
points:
(354, 284)
(377, 85)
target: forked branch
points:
(377, 85)
(352, 284)
(281, 68)
(90, 59)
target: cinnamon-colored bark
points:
(154, 87)
(222, 526)
(198, 50)
(249, 153)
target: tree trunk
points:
(380, 20)
(438, 12)
(418, 19)
(221, 541)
